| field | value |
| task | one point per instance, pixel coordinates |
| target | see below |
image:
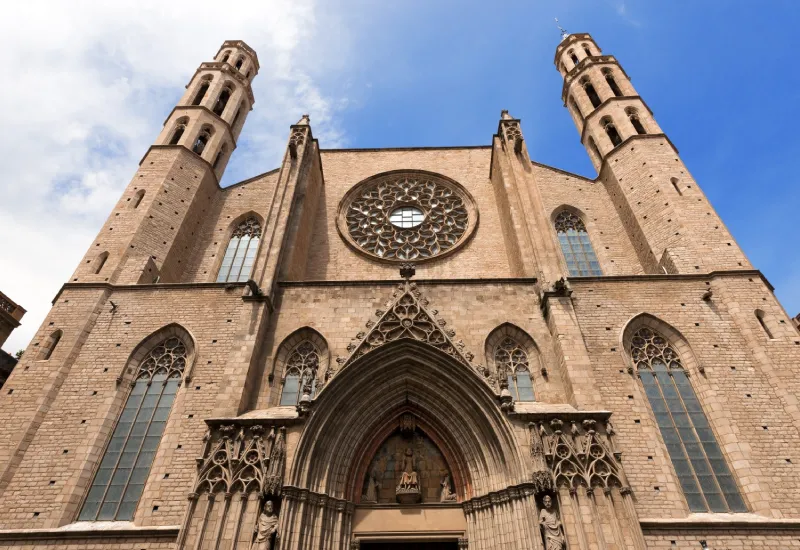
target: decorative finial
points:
(504, 115)
(407, 271)
(305, 120)
(564, 33)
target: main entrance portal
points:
(409, 545)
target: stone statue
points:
(373, 488)
(266, 528)
(408, 479)
(446, 495)
(552, 529)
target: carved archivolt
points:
(444, 216)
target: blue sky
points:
(95, 84)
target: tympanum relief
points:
(408, 468)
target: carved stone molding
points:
(322, 500)
(509, 494)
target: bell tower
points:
(148, 236)
(668, 218)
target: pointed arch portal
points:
(362, 410)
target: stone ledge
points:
(91, 529)
(708, 522)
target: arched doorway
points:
(358, 416)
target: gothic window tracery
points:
(406, 216)
(511, 361)
(300, 372)
(237, 264)
(120, 479)
(702, 471)
(576, 246)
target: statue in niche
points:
(551, 526)
(266, 528)
(407, 491)
(447, 495)
(373, 488)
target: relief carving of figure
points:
(447, 495)
(373, 488)
(552, 528)
(409, 478)
(266, 528)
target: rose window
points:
(402, 216)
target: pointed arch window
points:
(573, 57)
(587, 51)
(237, 264)
(591, 93)
(226, 57)
(576, 246)
(201, 92)
(300, 372)
(511, 360)
(177, 134)
(222, 101)
(612, 83)
(633, 116)
(239, 63)
(201, 141)
(611, 131)
(702, 471)
(119, 481)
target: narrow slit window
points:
(595, 150)
(674, 182)
(576, 246)
(100, 262)
(119, 481)
(236, 117)
(612, 133)
(587, 51)
(575, 107)
(239, 63)
(573, 57)
(301, 373)
(511, 361)
(637, 124)
(137, 199)
(591, 93)
(612, 83)
(50, 345)
(702, 470)
(237, 263)
(760, 315)
(201, 93)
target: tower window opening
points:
(201, 93)
(576, 246)
(591, 93)
(226, 57)
(239, 63)
(201, 141)
(611, 131)
(573, 57)
(178, 134)
(674, 182)
(637, 124)
(587, 50)
(236, 116)
(613, 84)
(760, 316)
(220, 156)
(222, 101)
(595, 150)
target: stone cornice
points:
(672, 277)
(569, 40)
(426, 282)
(717, 522)
(147, 287)
(241, 44)
(91, 531)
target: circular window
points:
(406, 216)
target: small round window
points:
(406, 217)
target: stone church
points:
(421, 348)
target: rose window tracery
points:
(407, 216)
(648, 347)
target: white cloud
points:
(88, 85)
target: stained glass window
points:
(237, 264)
(702, 471)
(301, 370)
(512, 361)
(576, 246)
(119, 481)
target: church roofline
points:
(565, 172)
(420, 148)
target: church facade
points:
(430, 348)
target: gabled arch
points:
(673, 335)
(139, 353)
(406, 375)
(523, 338)
(287, 349)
